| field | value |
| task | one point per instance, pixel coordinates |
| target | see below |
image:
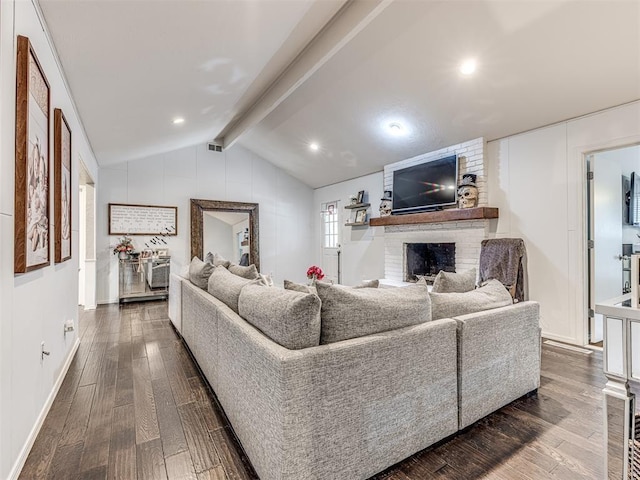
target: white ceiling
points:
(133, 66)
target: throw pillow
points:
(220, 261)
(226, 286)
(350, 312)
(208, 258)
(199, 272)
(449, 305)
(299, 287)
(250, 272)
(289, 318)
(448, 282)
(368, 284)
(267, 279)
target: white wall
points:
(171, 179)
(538, 180)
(33, 306)
(218, 238)
(362, 249)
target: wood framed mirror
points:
(201, 210)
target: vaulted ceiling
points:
(277, 75)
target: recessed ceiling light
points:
(314, 146)
(178, 120)
(395, 128)
(468, 66)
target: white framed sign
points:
(127, 219)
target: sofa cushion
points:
(450, 305)
(226, 286)
(250, 272)
(289, 318)
(199, 272)
(350, 312)
(448, 282)
(208, 258)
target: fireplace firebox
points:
(427, 259)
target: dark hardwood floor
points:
(133, 406)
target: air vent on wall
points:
(214, 147)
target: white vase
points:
(122, 255)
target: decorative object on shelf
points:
(62, 186)
(124, 247)
(314, 273)
(468, 191)
(353, 199)
(385, 204)
(31, 227)
(360, 198)
(361, 216)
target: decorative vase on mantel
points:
(123, 255)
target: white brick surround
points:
(467, 235)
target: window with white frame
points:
(330, 230)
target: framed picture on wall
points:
(361, 216)
(31, 224)
(62, 186)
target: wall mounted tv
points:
(426, 186)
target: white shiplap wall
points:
(236, 174)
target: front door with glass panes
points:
(331, 241)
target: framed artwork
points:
(361, 216)
(128, 219)
(62, 186)
(360, 197)
(31, 236)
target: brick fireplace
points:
(466, 235)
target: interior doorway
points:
(86, 240)
(613, 224)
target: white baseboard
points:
(560, 338)
(24, 453)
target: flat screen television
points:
(425, 186)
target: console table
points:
(143, 279)
(621, 363)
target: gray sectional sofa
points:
(352, 408)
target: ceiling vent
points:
(214, 147)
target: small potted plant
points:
(123, 248)
(314, 273)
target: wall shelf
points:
(440, 216)
(356, 224)
(357, 205)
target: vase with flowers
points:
(314, 273)
(123, 248)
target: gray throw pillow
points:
(450, 305)
(289, 318)
(220, 261)
(448, 282)
(299, 287)
(350, 312)
(250, 272)
(368, 284)
(226, 286)
(199, 272)
(208, 258)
